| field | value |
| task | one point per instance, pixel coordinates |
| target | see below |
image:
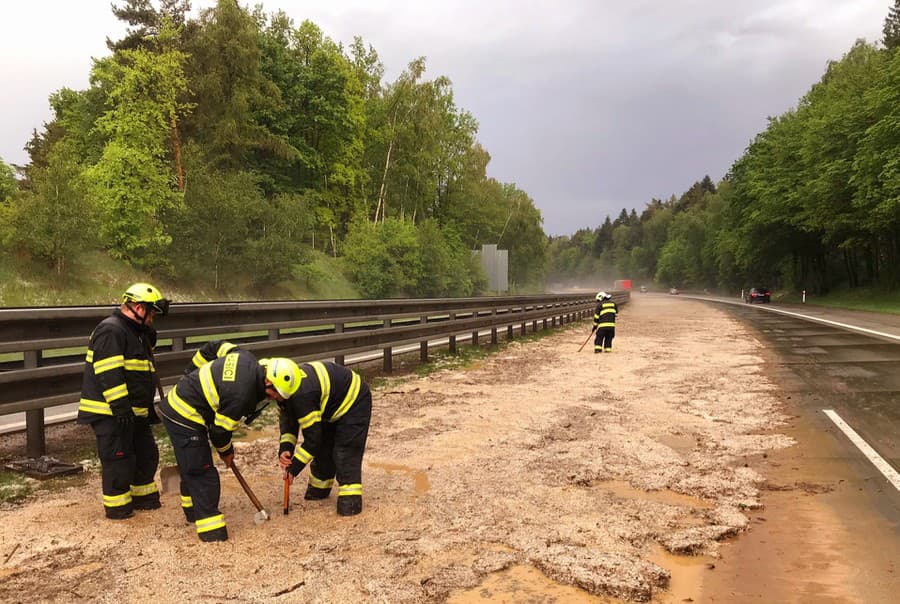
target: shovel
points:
(261, 514)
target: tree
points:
(8, 184)
(146, 22)
(133, 180)
(891, 28)
(231, 92)
(383, 258)
(54, 220)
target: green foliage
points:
(891, 28)
(8, 183)
(132, 181)
(230, 147)
(53, 221)
(383, 258)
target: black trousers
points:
(603, 339)
(344, 444)
(128, 462)
(200, 485)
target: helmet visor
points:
(161, 307)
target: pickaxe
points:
(261, 514)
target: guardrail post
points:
(452, 339)
(494, 328)
(339, 328)
(177, 343)
(545, 323)
(523, 327)
(509, 333)
(35, 442)
(388, 352)
(273, 334)
(423, 346)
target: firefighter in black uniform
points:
(604, 322)
(332, 408)
(117, 401)
(206, 406)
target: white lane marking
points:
(876, 459)
(847, 326)
(835, 323)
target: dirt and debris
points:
(539, 461)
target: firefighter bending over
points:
(207, 406)
(332, 408)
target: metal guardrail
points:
(48, 375)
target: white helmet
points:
(602, 296)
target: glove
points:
(227, 456)
(593, 329)
(124, 417)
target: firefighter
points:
(206, 406)
(332, 408)
(212, 350)
(604, 322)
(117, 401)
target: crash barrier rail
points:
(48, 344)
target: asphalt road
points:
(845, 361)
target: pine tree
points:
(892, 26)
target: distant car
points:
(643, 289)
(758, 294)
(673, 291)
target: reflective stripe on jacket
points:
(605, 314)
(218, 395)
(117, 371)
(326, 394)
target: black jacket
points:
(118, 373)
(327, 393)
(605, 314)
(217, 396)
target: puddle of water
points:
(525, 584)
(420, 478)
(680, 443)
(687, 576)
(622, 488)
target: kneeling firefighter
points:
(332, 407)
(206, 406)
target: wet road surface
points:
(856, 375)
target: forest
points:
(238, 147)
(812, 204)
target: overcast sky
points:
(587, 105)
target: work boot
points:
(315, 493)
(219, 534)
(349, 505)
(119, 513)
(147, 502)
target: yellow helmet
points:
(144, 293)
(284, 374)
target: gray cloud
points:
(589, 106)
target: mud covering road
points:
(535, 475)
